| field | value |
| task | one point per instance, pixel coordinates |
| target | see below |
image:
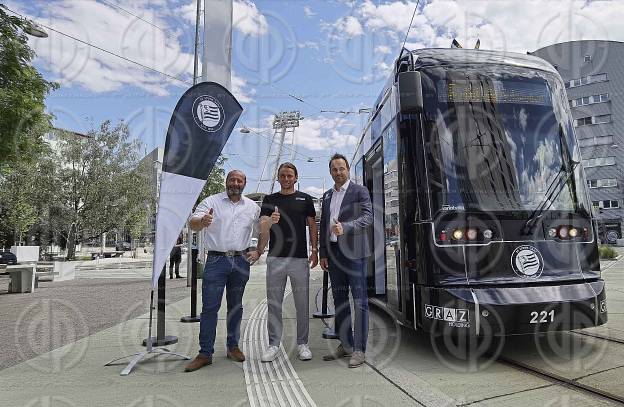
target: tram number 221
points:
(542, 316)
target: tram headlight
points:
(563, 232)
(458, 234)
(471, 234)
(573, 232)
(487, 233)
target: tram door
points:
(377, 262)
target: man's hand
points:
(337, 228)
(275, 216)
(324, 264)
(206, 220)
(253, 256)
(313, 259)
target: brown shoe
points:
(199, 362)
(357, 359)
(339, 353)
(236, 354)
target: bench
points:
(45, 270)
(23, 278)
(106, 255)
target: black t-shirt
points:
(288, 236)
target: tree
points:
(100, 187)
(216, 180)
(23, 120)
(26, 190)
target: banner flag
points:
(200, 125)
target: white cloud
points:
(239, 89)
(517, 26)
(307, 11)
(322, 133)
(74, 63)
(248, 19)
(314, 191)
(158, 47)
(309, 44)
(383, 49)
(349, 26)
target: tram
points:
(482, 223)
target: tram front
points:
(513, 247)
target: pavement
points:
(86, 330)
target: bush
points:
(607, 252)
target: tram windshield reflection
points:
(495, 140)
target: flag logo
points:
(208, 113)
(527, 261)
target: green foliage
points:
(26, 189)
(215, 182)
(23, 120)
(607, 252)
(102, 188)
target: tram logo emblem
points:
(208, 113)
(527, 261)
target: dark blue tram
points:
(482, 223)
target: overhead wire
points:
(104, 50)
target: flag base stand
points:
(160, 340)
(193, 317)
(156, 341)
(323, 314)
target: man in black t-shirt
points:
(284, 217)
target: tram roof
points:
(461, 56)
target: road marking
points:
(275, 383)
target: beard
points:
(234, 191)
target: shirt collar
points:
(227, 198)
(344, 186)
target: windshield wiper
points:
(555, 187)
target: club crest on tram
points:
(527, 261)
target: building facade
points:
(593, 72)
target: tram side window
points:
(391, 184)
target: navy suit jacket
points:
(356, 215)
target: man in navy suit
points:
(345, 217)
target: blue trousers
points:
(349, 274)
(231, 274)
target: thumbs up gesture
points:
(337, 228)
(275, 216)
(206, 220)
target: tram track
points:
(556, 379)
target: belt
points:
(229, 253)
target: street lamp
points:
(31, 28)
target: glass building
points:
(593, 72)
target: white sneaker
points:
(270, 354)
(304, 352)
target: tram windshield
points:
(499, 139)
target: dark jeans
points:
(174, 261)
(349, 274)
(231, 274)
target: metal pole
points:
(277, 159)
(196, 61)
(193, 260)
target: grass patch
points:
(607, 252)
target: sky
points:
(326, 59)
